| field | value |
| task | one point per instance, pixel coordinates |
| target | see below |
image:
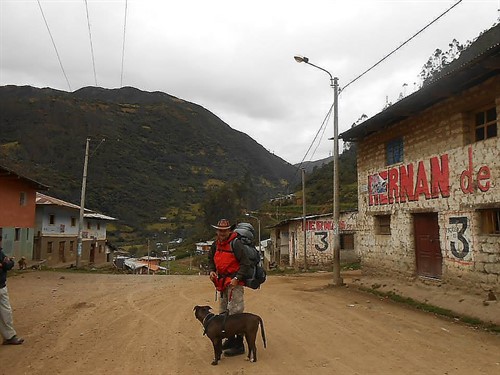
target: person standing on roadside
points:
(6, 322)
(228, 266)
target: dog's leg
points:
(252, 349)
(217, 344)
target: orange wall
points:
(12, 214)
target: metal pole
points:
(149, 259)
(337, 280)
(258, 223)
(82, 205)
(304, 216)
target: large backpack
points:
(257, 274)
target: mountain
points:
(159, 158)
(310, 166)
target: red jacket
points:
(226, 263)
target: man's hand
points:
(213, 276)
(234, 281)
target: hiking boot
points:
(228, 343)
(237, 349)
(14, 340)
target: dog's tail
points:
(262, 332)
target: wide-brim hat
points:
(222, 224)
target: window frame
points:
(485, 124)
(394, 151)
(383, 224)
(23, 199)
(490, 221)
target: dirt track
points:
(109, 324)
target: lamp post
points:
(258, 223)
(337, 280)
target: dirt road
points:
(125, 324)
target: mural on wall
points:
(408, 183)
(458, 239)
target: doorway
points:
(428, 254)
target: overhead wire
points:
(54, 44)
(362, 74)
(322, 127)
(404, 43)
(91, 44)
(123, 48)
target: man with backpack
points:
(229, 266)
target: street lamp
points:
(337, 280)
(258, 222)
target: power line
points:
(91, 45)
(123, 48)
(408, 40)
(54, 44)
(366, 71)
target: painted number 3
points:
(462, 222)
(322, 238)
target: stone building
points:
(287, 241)
(429, 175)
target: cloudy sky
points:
(235, 58)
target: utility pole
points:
(337, 279)
(149, 259)
(82, 205)
(304, 215)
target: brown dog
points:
(217, 327)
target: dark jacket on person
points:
(7, 264)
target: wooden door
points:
(428, 254)
(62, 256)
(92, 254)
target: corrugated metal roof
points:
(43, 199)
(299, 218)
(48, 200)
(6, 172)
(476, 64)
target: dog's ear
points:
(196, 308)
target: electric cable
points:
(404, 43)
(91, 44)
(123, 48)
(54, 44)
(366, 71)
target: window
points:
(52, 219)
(71, 245)
(486, 124)
(22, 199)
(73, 222)
(89, 226)
(347, 241)
(98, 226)
(394, 151)
(383, 224)
(17, 234)
(49, 247)
(490, 221)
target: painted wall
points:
(443, 171)
(63, 236)
(289, 240)
(17, 220)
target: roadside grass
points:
(471, 321)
